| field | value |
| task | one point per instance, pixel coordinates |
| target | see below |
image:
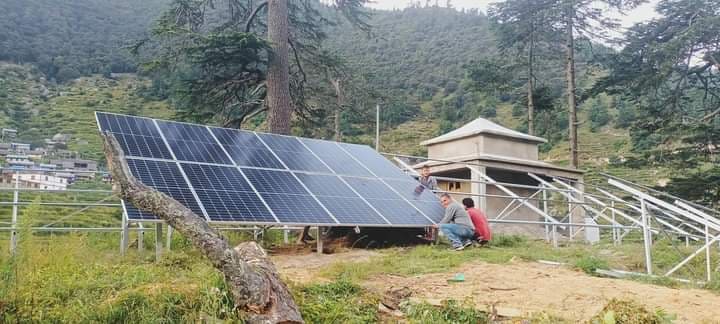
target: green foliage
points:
(451, 311)
(618, 311)
(508, 241)
(598, 115)
(67, 39)
(589, 264)
(337, 302)
(625, 114)
(669, 82)
(80, 278)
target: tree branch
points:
(253, 14)
(250, 275)
(297, 60)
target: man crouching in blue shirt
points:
(456, 223)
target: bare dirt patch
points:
(524, 286)
(535, 287)
(303, 267)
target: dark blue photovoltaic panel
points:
(137, 215)
(336, 158)
(293, 153)
(351, 210)
(297, 209)
(237, 137)
(164, 177)
(326, 185)
(193, 143)
(212, 177)
(143, 146)
(412, 190)
(259, 158)
(274, 181)
(432, 209)
(358, 187)
(375, 162)
(136, 136)
(198, 152)
(301, 161)
(234, 206)
(157, 174)
(371, 188)
(185, 132)
(127, 125)
(399, 212)
(283, 143)
(246, 149)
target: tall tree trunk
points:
(570, 76)
(278, 75)
(530, 85)
(338, 109)
(251, 277)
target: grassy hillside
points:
(39, 110)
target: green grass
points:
(450, 312)
(338, 302)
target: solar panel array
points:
(229, 175)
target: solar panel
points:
(336, 158)
(227, 195)
(193, 143)
(164, 177)
(371, 188)
(239, 176)
(246, 149)
(326, 185)
(293, 153)
(411, 190)
(297, 209)
(399, 212)
(137, 136)
(373, 161)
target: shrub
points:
(589, 264)
(618, 311)
(450, 311)
(507, 240)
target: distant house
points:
(86, 168)
(33, 181)
(20, 147)
(8, 133)
(4, 149)
(19, 161)
(47, 166)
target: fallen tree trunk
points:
(250, 275)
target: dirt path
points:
(527, 287)
(303, 268)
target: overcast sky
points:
(641, 13)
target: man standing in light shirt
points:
(456, 223)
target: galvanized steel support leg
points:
(158, 241)
(141, 237)
(646, 237)
(319, 240)
(124, 236)
(169, 237)
(14, 234)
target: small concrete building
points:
(502, 155)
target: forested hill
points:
(71, 38)
(417, 50)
